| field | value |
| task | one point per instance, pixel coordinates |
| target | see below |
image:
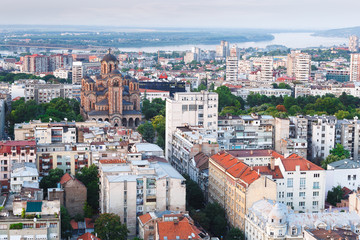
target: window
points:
(184, 107)
(349, 177)
(289, 182)
(302, 182)
(301, 204)
(201, 115)
(315, 203)
(301, 194)
(354, 177)
(289, 194)
(315, 194)
(201, 106)
(316, 185)
(316, 175)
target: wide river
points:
(290, 40)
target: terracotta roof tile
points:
(171, 230)
(74, 224)
(265, 170)
(89, 223)
(291, 162)
(88, 236)
(65, 178)
(145, 218)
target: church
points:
(111, 96)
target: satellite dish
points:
(50, 119)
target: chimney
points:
(272, 163)
(251, 152)
(308, 166)
(251, 168)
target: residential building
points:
(277, 92)
(267, 219)
(338, 233)
(12, 152)
(199, 171)
(66, 156)
(151, 94)
(289, 146)
(344, 173)
(355, 67)
(23, 174)
(88, 236)
(2, 118)
(246, 132)
(187, 142)
(147, 150)
(353, 43)
(190, 109)
(36, 64)
(62, 73)
(58, 61)
(78, 72)
(236, 186)
(171, 225)
(299, 66)
(137, 187)
(232, 68)
(222, 50)
(347, 134)
(44, 93)
(13, 226)
(267, 69)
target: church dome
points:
(109, 57)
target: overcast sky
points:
(285, 14)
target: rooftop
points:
(344, 164)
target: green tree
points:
(235, 234)
(194, 196)
(65, 223)
(89, 177)
(226, 98)
(335, 195)
(109, 227)
(340, 151)
(51, 180)
(147, 131)
(329, 159)
(88, 211)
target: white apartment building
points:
(246, 132)
(277, 92)
(299, 66)
(267, 69)
(139, 187)
(322, 135)
(190, 109)
(44, 93)
(24, 174)
(232, 68)
(355, 67)
(302, 186)
(56, 134)
(267, 220)
(344, 173)
(151, 94)
(187, 142)
(347, 134)
(2, 117)
(77, 72)
(62, 73)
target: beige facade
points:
(132, 189)
(236, 186)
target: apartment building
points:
(78, 72)
(190, 109)
(44, 93)
(23, 174)
(66, 156)
(347, 134)
(355, 67)
(236, 186)
(138, 187)
(277, 92)
(289, 146)
(12, 152)
(187, 142)
(232, 68)
(222, 50)
(246, 132)
(267, 69)
(300, 183)
(299, 66)
(36, 64)
(321, 135)
(353, 43)
(151, 94)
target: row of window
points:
(290, 183)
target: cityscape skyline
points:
(199, 14)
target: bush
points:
(16, 226)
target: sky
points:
(264, 14)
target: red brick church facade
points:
(111, 96)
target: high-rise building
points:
(222, 50)
(353, 43)
(355, 67)
(190, 109)
(77, 72)
(232, 68)
(36, 64)
(299, 66)
(267, 69)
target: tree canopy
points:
(109, 227)
(335, 195)
(51, 180)
(89, 177)
(147, 131)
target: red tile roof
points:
(145, 218)
(183, 229)
(74, 224)
(65, 178)
(88, 236)
(294, 160)
(111, 161)
(265, 170)
(89, 223)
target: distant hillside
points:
(340, 32)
